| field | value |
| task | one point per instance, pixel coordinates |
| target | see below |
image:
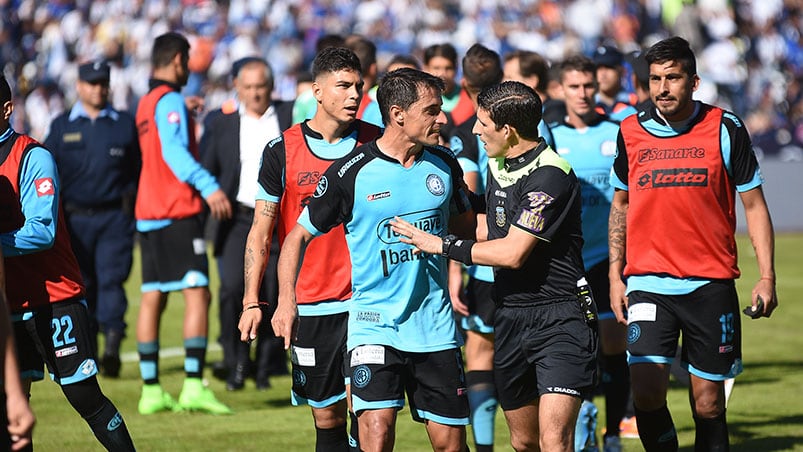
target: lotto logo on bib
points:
(674, 177)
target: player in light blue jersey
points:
(402, 337)
(587, 140)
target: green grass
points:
(765, 411)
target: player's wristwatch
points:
(448, 240)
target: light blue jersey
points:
(399, 299)
(591, 151)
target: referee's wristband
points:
(457, 249)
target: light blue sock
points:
(149, 361)
(483, 403)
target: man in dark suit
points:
(231, 149)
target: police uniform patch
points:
(435, 185)
(73, 137)
(361, 376)
(500, 216)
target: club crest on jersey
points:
(501, 219)
(173, 117)
(608, 148)
(435, 185)
(323, 184)
(44, 186)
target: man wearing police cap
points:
(98, 158)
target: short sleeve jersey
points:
(398, 298)
(591, 151)
(538, 193)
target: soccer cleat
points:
(628, 428)
(154, 399)
(197, 397)
(612, 444)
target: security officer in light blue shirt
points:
(98, 158)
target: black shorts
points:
(174, 257)
(543, 349)
(434, 382)
(597, 277)
(708, 319)
(60, 336)
(318, 355)
(481, 307)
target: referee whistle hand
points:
(219, 205)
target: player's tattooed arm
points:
(617, 229)
(255, 261)
(269, 209)
(617, 234)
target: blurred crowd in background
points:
(750, 52)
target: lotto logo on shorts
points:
(361, 376)
(88, 368)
